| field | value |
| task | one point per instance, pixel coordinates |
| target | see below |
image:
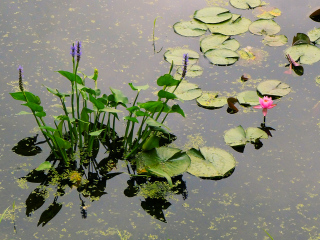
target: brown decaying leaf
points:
(231, 101)
(315, 16)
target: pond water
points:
(274, 188)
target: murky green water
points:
(274, 188)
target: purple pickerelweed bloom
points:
(73, 50)
(185, 64)
(20, 69)
(79, 52)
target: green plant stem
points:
(69, 124)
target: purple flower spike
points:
(73, 50)
(185, 64)
(20, 69)
(79, 52)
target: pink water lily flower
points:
(265, 103)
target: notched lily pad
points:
(211, 100)
(273, 88)
(314, 35)
(187, 91)
(275, 40)
(222, 56)
(234, 26)
(212, 15)
(210, 162)
(192, 71)
(176, 55)
(249, 98)
(191, 28)
(218, 41)
(264, 27)
(304, 53)
(245, 4)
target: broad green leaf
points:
(98, 104)
(275, 40)
(245, 4)
(211, 100)
(133, 109)
(218, 41)
(248, 98)
(44, 166)
(273, 88)
(51, 129)
(70, 76)
(186, 91)
(210, 162)
(30, 96)
(159, 126)
(33, 106)
(41, 114)
(96, 133)
(167, 95)
(234, 26)
(222, 56)
(152, 142)
(176, 55)
(235, 137)
(150, 105)
(132, 119)
(56, 92)
(167, 80)
(138, 88)
(212, 15)
(108, 109)
(176, 109)
(253, 134)
(264, 27)
(191, 28)
(119, 97)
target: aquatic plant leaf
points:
(186, 91)
(245, 4)
(192, 71)
(167, 95)
(315, 16)
(304, 53)
(49, 213)
(176, 55)
(264, 27)
(157, 126)
(234, 26)
(33, 106)
(266, 12)
(98, 104)
(51, 129)
(35, 200)
(119, 97)
(71, 76)
(314, 35)
(176, 109)
(211, 100)
(44, 166)
(96, 133)
(235, 137)
(218, 41)
(253, 134)
(109, 109)
(210, 162)
(273, 88)
(155, 207)
(191, 28)
(138, 88)
(21, 96)
(248, 98)
(164, 162)
(301, 38)
(40, 114)
(24, 113)
(151, 142)
(150, 105)
(167, 80)
(275, 40)
(222, 56)
(27, 147)
(212, 15)
(231, 107)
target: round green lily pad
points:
(314, 35)
(190, 28)
(253, 133)
(210, 162)
(305, 53)
(192, 71)
(222, 56)
(176, 55)
(234, 26)
(186, 91)
(245, 4)
(275, 40)
(212, 15)
(248, 98)
(218, 41)
(264, 27)
(273, 88)
(211, 100)
(235, 137)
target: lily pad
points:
(210, 162)
(266, 12)
(186, 91)
(314, 35)
(264, 27)
(248, 98)
(273, 88)
(218, 41)
(212, 15)
(192, 71)
(253, 134)
(222, 56)
(275, 40)
(211, 100)
(305, 53)
(176, 55)
(245, 4)
(301, 38)
(234, 26)
(190, 28)
(163, 162)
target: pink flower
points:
(265, 103)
